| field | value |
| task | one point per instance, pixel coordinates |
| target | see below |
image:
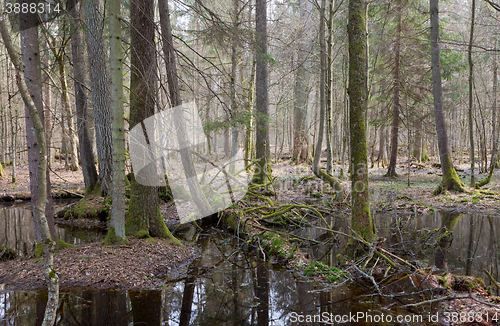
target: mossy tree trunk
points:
(361, 219)
(116, 233)
(262, 148)
(450, 179)
(144, 200)
(31, 96)
(144, 215)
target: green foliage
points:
(331, 274)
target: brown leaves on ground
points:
(142, 264)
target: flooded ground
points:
(230, 283)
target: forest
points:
(241, 162)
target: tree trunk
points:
(86, 155)
(99, 83)
(116, 232)
(144, 201)
(66, 107)
(450, 179)
(334, 182)
(391, 171)
(31, 93)
(361, 219)
(330, 92)
(262, 147)
(175, 98)
(471, 101)
(301, 138)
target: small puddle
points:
(229, 285)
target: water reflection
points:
(17, 232)
(228, 285)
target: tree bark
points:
(99, 83)
(86, 155)
(471, 98)
(450, 179)
(31, 93)
(302, 88)
(361, 219)
(262, 146)
(334, 182)
(391, 171)
(116, 232)
(144, 201)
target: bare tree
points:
(450, 179)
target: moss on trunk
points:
(113, 239)
(450, 181)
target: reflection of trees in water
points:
(448, 222)
(16, 229)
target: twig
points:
(492, 279)
(370, 278)
(70, 192)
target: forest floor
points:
(143, 264)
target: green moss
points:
(38, 250)
(330, 273)
(113, 239)
(151, 240)
(142, 234)
(62, 245)
(52, 273)
(92, 206)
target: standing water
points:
(230, 284)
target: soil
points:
(143, 264)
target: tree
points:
(334, 182)
(262, 149)
(361, 220)
(450, 179)
(31, 96)
(175, 98)
(116, 232)
(99, 84)
(391, 171)
(471, 98)
(302, 86)
(82, 124)
(144, 211)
